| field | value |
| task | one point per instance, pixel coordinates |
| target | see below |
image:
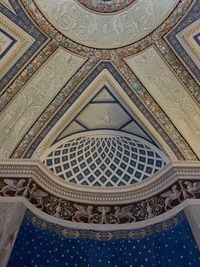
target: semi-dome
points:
(108, 159)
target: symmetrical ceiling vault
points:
(124, 76)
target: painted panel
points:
(16, 119)
(168, 91)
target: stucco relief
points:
(163, 85)
(34, 97)
(106, 31)
(119, 213)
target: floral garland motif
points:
(106, 6)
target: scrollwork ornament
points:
(98, 214)
(58, 208)
(96, 218)
(65, 214)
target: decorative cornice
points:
(35, 170)
(25, 179)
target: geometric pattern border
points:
(192, 16)
(13, 41)
(23, 21)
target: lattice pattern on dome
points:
(105, 161)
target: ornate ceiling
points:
(119, 78)
(104, 30)
(106, 6)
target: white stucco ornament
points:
(106, 30)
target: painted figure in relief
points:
(106, 118)
(83, 212)
(171, 195)
(20, 114)
(124, 213)
(13, 186)
(192, 188)
(82, 25)
(38, 195)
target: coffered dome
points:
(107, 159)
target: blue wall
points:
(40, 244)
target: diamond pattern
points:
(104, 161)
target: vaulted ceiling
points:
(95, 71)
(51, 51)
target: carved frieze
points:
(26, 183)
